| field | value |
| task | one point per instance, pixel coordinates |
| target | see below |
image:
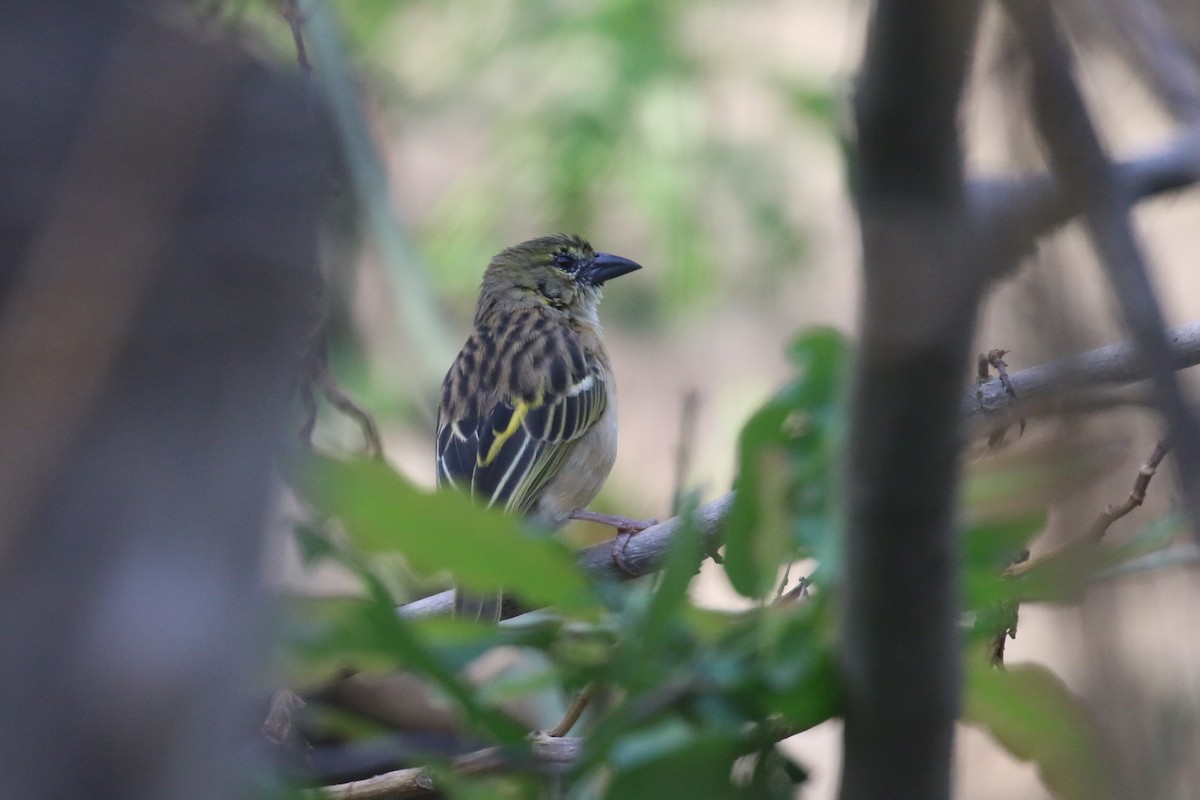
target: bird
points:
(527, 420)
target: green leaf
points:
(992, 547)
(785, 502)
(648, 634)
(485, 550)
(1034, 716)
(798, 671)
(673, 760)
(757, 535)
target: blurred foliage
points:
(693, 699)
(594, 117)
(1037, 718)
(786, 501)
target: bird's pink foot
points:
(626, 528)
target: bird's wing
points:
(504, 432)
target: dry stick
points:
(1087, 174)
(315, 374)
(315, 370)
(574, 712)
(1111, 514)
(683, 452)
(1137, 495)
(546, 753)
(1096, 532)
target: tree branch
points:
(989, 405)
(898, 649)
(1019, 210)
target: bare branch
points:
(990, 405)
(1107, 517)
(1137, 495)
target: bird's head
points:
(561, 272)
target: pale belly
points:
(582, 474)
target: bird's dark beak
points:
(606, 267)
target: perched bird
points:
(528, 414)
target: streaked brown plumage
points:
(528, 418)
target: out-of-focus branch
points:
(412, 293)
(898, 649)
(1168, 64)
(1018, 210)
(1137, 495)
(546, 752)
(1077, 155)
(158, 207)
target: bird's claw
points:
(626, 528)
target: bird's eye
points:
(564, 260)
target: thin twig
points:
(683, 451)
(579, 704)
(1110, 514)
(545, 752)
(797, 592)
(316, 376)
(1137, 495)
(295, 19)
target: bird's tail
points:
(478, 608)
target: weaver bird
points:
(528, 415)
